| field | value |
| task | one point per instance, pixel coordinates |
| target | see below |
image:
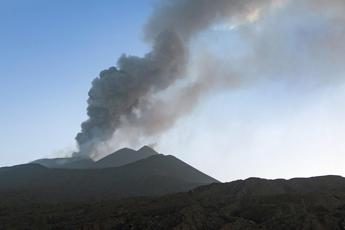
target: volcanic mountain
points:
(146, 190)
(116, 159)
(124, 173)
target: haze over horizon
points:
(276, 109)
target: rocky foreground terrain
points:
(302, 203)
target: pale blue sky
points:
(49, 53)
(287, 121)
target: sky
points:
(285, 119)
(50, 52)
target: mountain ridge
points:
(124, 156)
(250, 204)
(118, 158)
(155, 175)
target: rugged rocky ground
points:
(311, 203)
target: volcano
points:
(124, 173)
(116, 159)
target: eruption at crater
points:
(127, 101)
(124, 93)
(116, 93)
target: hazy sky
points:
(286, 119)
(49, 53)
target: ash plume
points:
(117, 91)
(124, 92)
(143, 97)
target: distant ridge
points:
(125, 156)
(251, 204)
(67, 163)
(147, 174)
(116, 159)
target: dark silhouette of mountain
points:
(121, 157)
(124, 156)
(145, 190)
(302, 203)
(154, 175)
(67, 163)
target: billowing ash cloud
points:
(143, 97)
(123, 94)
(117, 91)
(188, 17)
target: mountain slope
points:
(124, 156)
(121, 157)
(171, 166)
(154, 175)
(302, 203)
(67, 163)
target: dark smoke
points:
(125, 95)
(117, 91)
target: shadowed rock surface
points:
(304, 203)
(124, 156)
(154, 175)
(121, 157)
(67, 163)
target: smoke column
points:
(129, 102)
(123, 93)
(117, 91)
